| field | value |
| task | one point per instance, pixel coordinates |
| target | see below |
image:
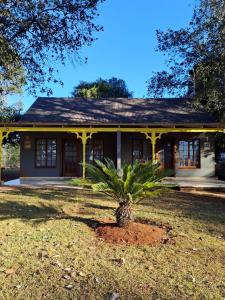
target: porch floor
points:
(180, 182)
(40, 181)
(196, 183)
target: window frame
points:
(198, 165)
(46, 149)
(94, 142)
(141, 141)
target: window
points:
(45, 153)
(137, 149)
(94, 151)
(189, 154)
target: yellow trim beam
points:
(107, 129)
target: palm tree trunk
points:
(124, 214)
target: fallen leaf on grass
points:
(183, 235)
(68, 286)
(191, 278)
(119, 261)
(97, 280)
(42, 254)
(68, 270)
(66, 276)
(18, 286)
(113, 296)
(57, 263)
(9, 271)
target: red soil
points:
(134, 234)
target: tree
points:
(12, 77)
(11, 156)
(9, 113)
(35, 34)
(131, 186)
(101, 88)
(196, 59)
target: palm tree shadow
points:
(98, 206)
(53, 193)
(38, 213)
(208, 210)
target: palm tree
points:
(130, 186)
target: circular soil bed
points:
(134, 234)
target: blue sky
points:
(126, 47)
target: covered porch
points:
(68, 149)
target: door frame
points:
(76, 143)
(172, 155)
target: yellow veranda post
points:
(153, 142)
(1, 141)
(84, 140)
(84, 137)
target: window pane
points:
(189, 153)
(46, 153)
(137, 149)
(94, 150)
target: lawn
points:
(49, 250)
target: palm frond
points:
(133, 184)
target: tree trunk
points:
(124, 214)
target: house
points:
(60, 135)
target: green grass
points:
(44, 232)
(80, 182)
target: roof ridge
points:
(113, 98)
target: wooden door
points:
(165, 155)
(70, 161)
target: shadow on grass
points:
(21, 210)
(53, 193)
(207, 209)
(38, 214)
(97, 206)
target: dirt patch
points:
(7, 188)
(134, 234)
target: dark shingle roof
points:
(114, 111)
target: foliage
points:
(47, 232)
(9, 113)
(11, 156)
(131, 186)
(81, 182)
(101, 88)
(12, 76)
(196, 59)
(35, 34)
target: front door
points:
(165, 155)
(70, 161)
